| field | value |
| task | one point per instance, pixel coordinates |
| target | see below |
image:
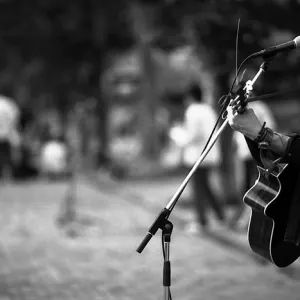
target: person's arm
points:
(292, 153)
(279, 143)
(285, 146)
(276, 148)
(258, 137)
(249, 125)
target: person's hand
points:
(246, 123)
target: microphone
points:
(295, 43)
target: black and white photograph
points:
(149, 149)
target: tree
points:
(70, 40)
(211, 27)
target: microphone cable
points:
(224, 99)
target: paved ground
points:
(39, 261)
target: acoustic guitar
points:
(270, 200)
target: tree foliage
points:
(214, 26)
(70, 37)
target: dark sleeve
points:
(292, 233)
(292, 155)
(254, 150)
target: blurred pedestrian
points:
(249, 167)
(10, 138)
(54, 152)
(26, 167)
(54, 159)
(199, 120)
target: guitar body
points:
(270, 202)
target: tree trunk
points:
(102, 113)
(148, 105)
(100, 27)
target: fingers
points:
(237, 105)
(232, 114)
(232, 109)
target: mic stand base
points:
(166, 239)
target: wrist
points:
(279, 144)
(264, 137)
(252, 132)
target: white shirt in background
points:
(199, 121)
(54, 157)
(9, 117)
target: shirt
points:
(199, 121)
(9, 116)
(54, 157)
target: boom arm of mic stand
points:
(165, 213)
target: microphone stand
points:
(162, 222)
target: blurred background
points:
(90, 94)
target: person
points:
(54, 151)
(10, 138)
(54, 158)
(248, 165)
(255, 132)
(26, 167)
(198, 122)
(267, 146)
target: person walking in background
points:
(199, 120)
(249, 167)
(10, 139)
(54, 152)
